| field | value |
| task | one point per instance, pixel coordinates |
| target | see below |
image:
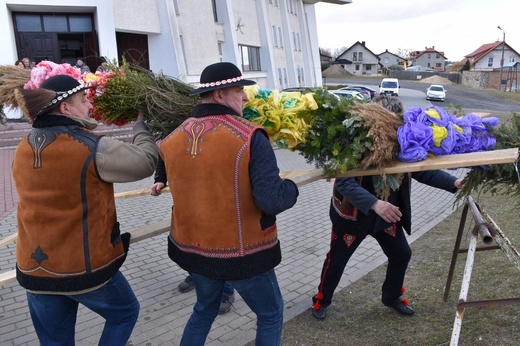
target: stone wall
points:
(483, 79)
(475, 79)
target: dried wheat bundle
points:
(12, 78)
(383, 126)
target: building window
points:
(369, 68)
(57, 23)
(298, 40)
(80, 23)
(275, 36)
(357, 67)
(490, 62)
(438, 65)
(429, 56)
(53, 23)
(183, 48)
(215, 14)
(285, 76)
(280, 78)
(438, 56)
(28, 22)
(280, 35)
(176, 7)
(220, 55)
(250, 58)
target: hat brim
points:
(62, 98)
(242, 82)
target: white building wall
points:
(137, 16)
(184, 39)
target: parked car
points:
(419, 68)
(349, 94)
(436, 92)
(363, 92)
(373, 92)
(303, 90)
(389, 86)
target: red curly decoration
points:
(319, 296)
(405, 301)
(403, 289)
(316, 306)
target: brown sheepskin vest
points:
(217, 229)
(68, 237)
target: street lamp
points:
(502, 61)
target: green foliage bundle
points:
(330, 144)
(164, 100)
(501, 179)
(345, 135)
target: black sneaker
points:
(225, 304)
(320, 314)
(187, 285)
(398, 306)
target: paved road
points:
(458, 95)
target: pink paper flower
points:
(46, 69)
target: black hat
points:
(51, 93)
(64, 86)
(220, 75)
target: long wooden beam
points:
(303, 177)
(493, 157)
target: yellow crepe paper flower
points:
(439, 133)
(277, 112)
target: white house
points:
(429, 58)
(387, 59)
(364, 61)
(273, 41)
(488, 57)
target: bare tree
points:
(338, 51)
(404, 53)
(326, 51)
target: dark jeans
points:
(394, 246)
(261, 293)
(54, 316)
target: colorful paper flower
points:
(277, 112)
(432, 131)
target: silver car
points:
(436, 92)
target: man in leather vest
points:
(69, 247)
(226, 189)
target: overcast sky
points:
(455, 27)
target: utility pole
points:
(502, 61)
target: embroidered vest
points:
(217, 229)
(68, 237)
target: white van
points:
(389, 86)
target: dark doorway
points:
(58, 37)
(39, 46)
(133, 48)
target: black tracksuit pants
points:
(394, 244)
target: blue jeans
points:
(228, 290)
(261, 293)
(54, 316)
